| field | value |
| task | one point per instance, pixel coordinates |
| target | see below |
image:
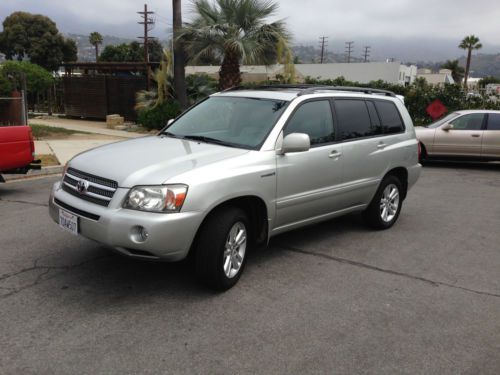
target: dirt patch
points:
(48, 160)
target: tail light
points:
(32, 143)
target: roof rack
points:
(305, 89)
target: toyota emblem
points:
(82, 186)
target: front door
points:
(464, 139)
(307, 180)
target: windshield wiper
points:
(168, 134)
(202, 138)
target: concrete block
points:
(114, 120)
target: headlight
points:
(166, 198)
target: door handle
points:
(381, 146)
(335, 154)
(475, 135)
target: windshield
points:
(443, 121)
(230, 121)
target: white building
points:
(390, 72)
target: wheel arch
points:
(256, 210)
(402, 174)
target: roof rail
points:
(305, 89)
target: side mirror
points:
(295, 142)
(447, 127)
(170, 121)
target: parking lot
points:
(420, 298)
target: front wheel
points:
(221, 248)
(385, 207)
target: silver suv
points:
(238, 168)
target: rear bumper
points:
(170, 235)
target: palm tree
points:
(469, 43)
(179, 58)
(237, 32)
(457, 71)
(95, 39)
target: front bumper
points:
(170, 235)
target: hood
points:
(150, 160)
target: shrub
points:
(157, 117)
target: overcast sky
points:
(340, 20)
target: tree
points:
(469, 43)
(155, 50)
(95, 39)
(237, 31)
(69, 50)
(179, 55)
(457, 71)
(35, 37)
(37, 78)
(131, 52)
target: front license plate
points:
(68, 222)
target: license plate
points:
(68, 222)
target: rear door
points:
(307, 181)
(363, 149)
(491, 137)
(464, 139)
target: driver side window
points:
(473, 121)
(314, 119)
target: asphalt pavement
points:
(335, 298)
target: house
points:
(443, 77)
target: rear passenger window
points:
(390, 118)
(493, 122)
(354, 119)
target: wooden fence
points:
(95, 96)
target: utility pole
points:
(323, 42)
(366, 55)
(148, 23)
(348, 50)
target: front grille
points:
(99, 190)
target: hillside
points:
(484, 65)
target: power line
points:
(366, 55)
(349, 48)
(323, 42)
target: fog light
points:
(139, 234)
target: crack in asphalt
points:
(384, 270)
(25, 202)
(46, 270)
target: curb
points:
(45, 171)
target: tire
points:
(219, 261)
(384, 210)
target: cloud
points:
(337, 19)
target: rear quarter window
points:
(390, 118)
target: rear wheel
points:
(385, 207)
(221, 248)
